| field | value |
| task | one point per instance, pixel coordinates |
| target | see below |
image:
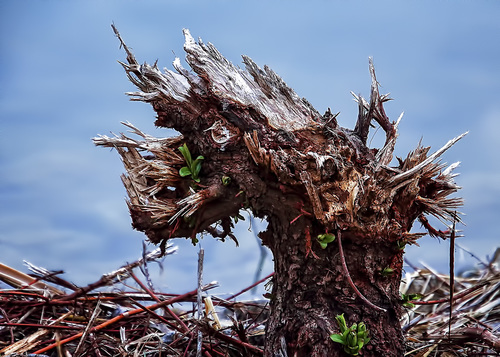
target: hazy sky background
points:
(61, 199)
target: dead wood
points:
(248, 141)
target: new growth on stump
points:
(339, 215)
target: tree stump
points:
(269, 151)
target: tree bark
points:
(269, 151)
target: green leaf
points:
(324, 239)
(415, 296)
(341, 322)
(196, 167)
(238, 217)
(199, 158)
(187, 155)
(352, 339)
(226, 180)
(387, 271)
(401, 244)
(337, 338)
(185, 171)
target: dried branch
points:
(348, 276)
(201, 254)
(452, 273)
(122, 273)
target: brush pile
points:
(470, 328)
(45, 315)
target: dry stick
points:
(23, 293)
(95, 346)
(486, 336)
(187, 346)
(349, 279)
(455, 297)
(235, 342)
(201, 254)
(39, 326)
(118, 318)
(248, 288)
(452, 271)
(106, 279)
(164, 320)
(185, 329)
(12, 339)
(95, 313)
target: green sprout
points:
(387, 271)
(401, 244)
(193, 167)
(407, 299)
(226, 180)
(324, 239)
(352, 338)
(194, 241)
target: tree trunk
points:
(268, 151)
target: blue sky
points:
(61, 199)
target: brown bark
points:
(302, 172)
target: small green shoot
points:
(387, 271)
(226, 180)
(401, 244)
(407, 299)
(193, 168)
(324, 239)
(352, 338)
(194, 241)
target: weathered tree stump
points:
(267, 150)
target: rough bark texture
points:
(301, 171)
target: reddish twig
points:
(23, 293)
(11, 330)
(433, 231)
(235, 342)
(117, 318)
(161, 318)
(185, 329)
(349, 279)
(248, 288)
(302, 213)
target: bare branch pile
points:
(37, 316)
(475, 318)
